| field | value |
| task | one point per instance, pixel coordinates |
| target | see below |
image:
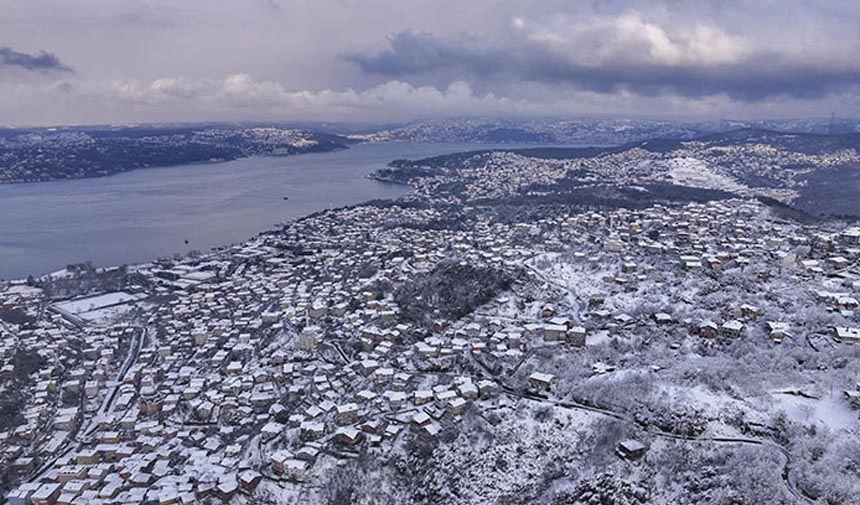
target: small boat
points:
(286, 198)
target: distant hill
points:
(43, 154)
(817, 173)
(582, 131)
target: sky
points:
(129, 61)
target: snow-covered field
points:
(93, 303)
(107, 314)
(696, 173)
(830, 411)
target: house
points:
(631, 449)
(733, 328)
(421, 397)
(468, 390)
(778, 331)
(312, 430)
(708, 329)
(541, 381)
(472, 329)
(847, 302)
(270, 316)
(308, 452)
(227, 488)
(395, 399)
(371, 426)
(149, 402)
(576, 336)
(23, 464)
(750, 311)
(71, 472)
(487, 387)
(309, 337)
(562, 321)
(514, 339)
(427, 351)
(420, 418)
(838, 262)
(444, 398)
(296, 469)
(47, 494)
(347, 413)
(691, 263)
(349, 435)
(853, 397)
(279, 460)
(367, 366)
(812, 266)
(87, 457)
(271, 430)
(600, 368)
(457, 406)
(432, 429)
(383, 374)
(532, 329)
(91, 388)
(554, 332)
(847, 335)
(851, 236)
(316, 310)
(22, 495)
(249, 480)
(392, 430)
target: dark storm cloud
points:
(749, 81)
(413, 53)
(42, 61)
(627, 63)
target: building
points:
(847, 335)
(631, 449)
(541, 381)
(708, 329)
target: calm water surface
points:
(144, 214)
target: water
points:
(141, 215)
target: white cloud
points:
(629, 38)
(239, 95)
(221, 59)
(242, 97)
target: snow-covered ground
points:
(93, 303)
(23, 290)
(696, 173)
(107, 315)
(830, 411)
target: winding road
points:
(788, 481)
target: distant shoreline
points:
(168, 165)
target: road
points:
(787, 479)
(130, 360)
(81, 434)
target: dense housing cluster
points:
(474, 349)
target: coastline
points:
(4, 182)
(140, 215)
